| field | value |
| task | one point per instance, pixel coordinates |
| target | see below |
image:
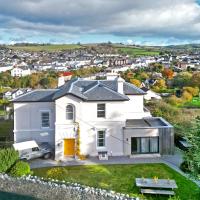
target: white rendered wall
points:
(27, 122)
(86, 117)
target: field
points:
(133, 51)
(121, 178)
(47, 48)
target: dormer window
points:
(69, 112)
(101, 110)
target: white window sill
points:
(101, 148)
(45, 127)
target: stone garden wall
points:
(56, 190)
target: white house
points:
(19, 72)
(5, 68)
(150, 95)
(94, 116)
(12, 94)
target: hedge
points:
(8, 158)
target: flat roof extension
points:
(150, 122)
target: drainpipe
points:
(77, 140)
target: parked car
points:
(182, 144)
(30, 149)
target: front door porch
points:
(69, 147)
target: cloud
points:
(129, 41)
(178, 19)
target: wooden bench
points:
(152, 191)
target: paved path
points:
(172, 159)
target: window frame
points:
(42, 112)
(73, 112)
(104, 138)
(101, 110)
(149, 145)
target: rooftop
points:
(86, 90)
(152, 122)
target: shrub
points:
(8, 158)
(56, 173)
(193, 91)
(173, 100)
(20, 168)
(184, 167)
(174, 198)
(186, 96)
(136, 82)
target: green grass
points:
(6, 128)
(133, 51)
(2, 112)
(121, 178)
(195, 103)
(48, 48)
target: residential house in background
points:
(20, 71)
(150, 95)
(97, 116)
(12, 94)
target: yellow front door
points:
(69, 147)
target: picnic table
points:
(148, 186)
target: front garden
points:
(121, 178)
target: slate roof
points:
(144, 89)
(87, 90)
(130, 89)
(37, 96)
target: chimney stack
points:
(120, 85)
(61, 81)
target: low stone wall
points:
(54, 189)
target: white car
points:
(30, 149)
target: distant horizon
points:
(93, 43)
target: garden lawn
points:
(194, 103)
(121, 178)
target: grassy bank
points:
(137, 51)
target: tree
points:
(144, 76)
(196, 79)
(34, 80)
(135, 82)
(192, 157)
(161, 84)
(157, 67)
(52, 82)
(168, 73)
(44, 82)
(194, 91)
(182, 79)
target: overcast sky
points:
(149, 22)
